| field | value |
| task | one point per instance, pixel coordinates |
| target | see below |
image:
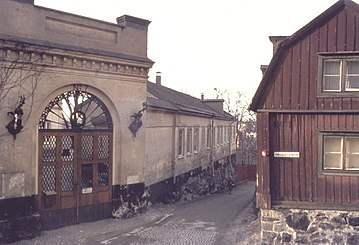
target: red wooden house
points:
(307, 108)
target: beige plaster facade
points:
(55, 53)
(108, 60)
(211, 136)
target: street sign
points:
(286, 154)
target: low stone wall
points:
(298, 226)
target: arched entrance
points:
(75, 160)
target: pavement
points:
(217, 219)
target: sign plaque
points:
(286, 154)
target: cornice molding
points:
(57, 58)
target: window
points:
(181, 142)
(209, 137)
(203, 138)
(340, 75)
(196, 139)
(218, 135)
(225, 134)
(229, 133)
(340, 152)
(189, 141)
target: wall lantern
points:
(265, 153)
(137, 122)
(15, 125)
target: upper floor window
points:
(340, 75)
(339, 152)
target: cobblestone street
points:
(214, 219)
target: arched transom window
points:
(76, 109)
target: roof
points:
(162, 97)
(260, 94)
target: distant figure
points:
(230, 185)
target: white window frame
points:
(343, 168)
(196, 140)
(181, 142)
(343, 75)
(189, 141)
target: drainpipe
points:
(174, 126)
(230, 143)
(212, 144)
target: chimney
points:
(202, 96)
(264, 69)
(133, 22)
(158, 78)
(215, 104)
(277, 40)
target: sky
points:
(203, 45)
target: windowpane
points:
(332, 152)
(352, 83)
(331, 83)
(352, 145)
(180, 142)
(332, 67)
(332, 161)
(332, 144)
(203, 142)
(189, 140)
(352, 153)
(353, 67)
(196, 139)
(209, 137)
(331, 76)
(352, 161)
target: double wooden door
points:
(75, 169)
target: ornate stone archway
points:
(75, 159)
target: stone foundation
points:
(298, 226)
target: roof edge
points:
(283, 46)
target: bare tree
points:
(237, 103)
(20, 71)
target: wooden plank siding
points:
(297, 179)
(293, 111)
(295, 85)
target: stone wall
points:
(298, 226)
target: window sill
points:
(339, 172)
(180, 157)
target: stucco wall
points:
(162, 157)
(159, 146)
(33, 22)
(69, 50)
(122, 95)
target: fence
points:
(246, 173)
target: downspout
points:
(174, 126)
(230, 145)
(212, 144)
